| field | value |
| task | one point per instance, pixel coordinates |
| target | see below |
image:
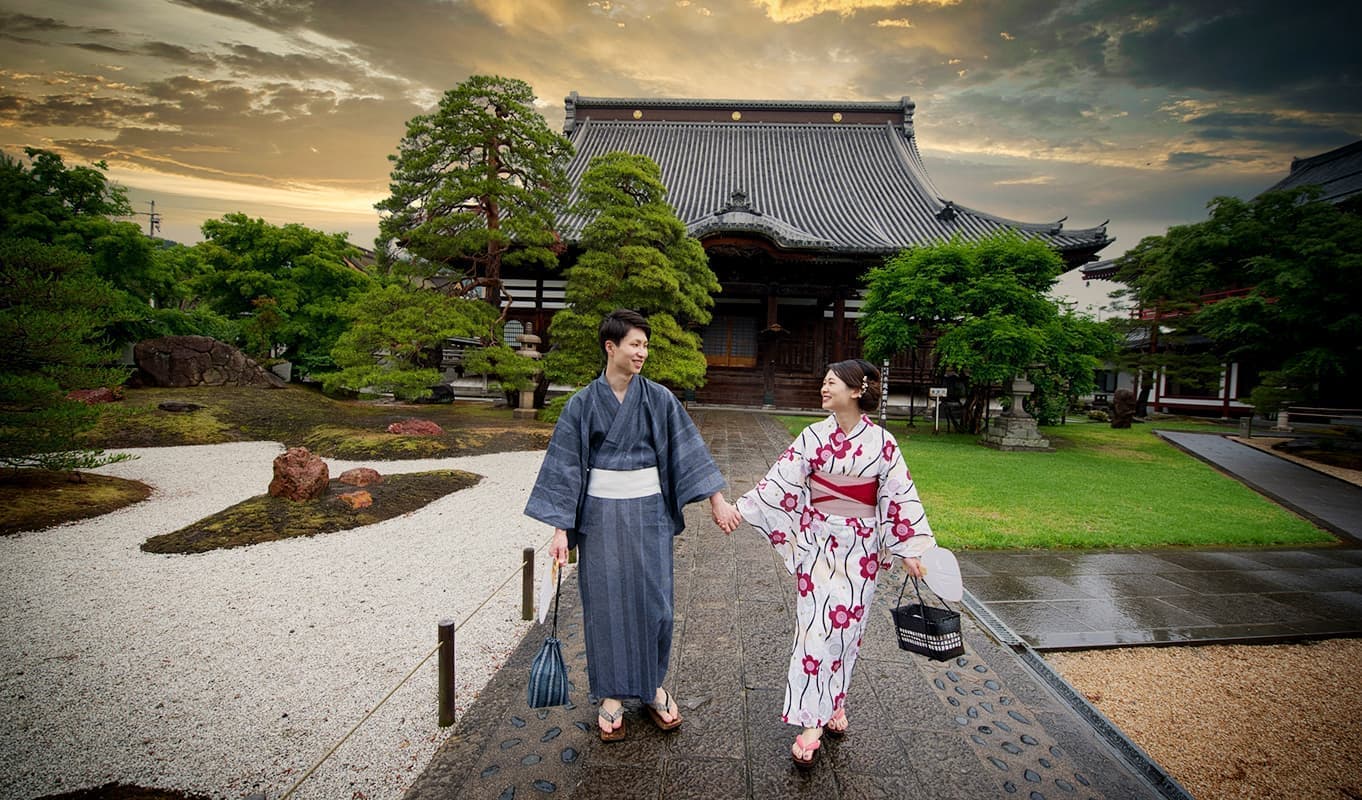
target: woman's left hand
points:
(914, 567)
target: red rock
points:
(299, 475)
(92, 396)
(356, 500)
(360, 476)
(415, 427)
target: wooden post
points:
(527, 584)
(446, 639)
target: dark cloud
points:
(12, 23)
(177, 54)
(1188, 160)
(96, 47)
(1256, 48)
(268, 14)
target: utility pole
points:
(153, 219)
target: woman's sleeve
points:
(904, 530)
(777, 504)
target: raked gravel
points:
(232, 672)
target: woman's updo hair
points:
(858, 373)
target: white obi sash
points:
(623, 484)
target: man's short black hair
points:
(619, 322)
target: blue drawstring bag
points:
(548, 674)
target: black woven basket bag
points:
(927, 630)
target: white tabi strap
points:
(623, 484)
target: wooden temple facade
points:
(794, 202)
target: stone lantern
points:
(529, 343)
(1014, 429)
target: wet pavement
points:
(1077, 599)
(1329, 502)
(995, 722)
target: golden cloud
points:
(800, 10)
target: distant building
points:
(1338, 174)
(794, 201)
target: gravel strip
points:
(232, 672)
(1236, 722)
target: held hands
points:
(726, 514)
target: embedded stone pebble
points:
(1004, 734)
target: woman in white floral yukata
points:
(836, 505)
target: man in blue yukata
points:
(624, 461)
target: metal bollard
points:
(446, 640)
(527, 584)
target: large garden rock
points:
(1122, 408)
(198, 361)
(360, 476)
(299, 475)
(415, 427)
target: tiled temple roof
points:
(1338, 173)
(826, 176)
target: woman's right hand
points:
(558, 550)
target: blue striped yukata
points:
(624, 545)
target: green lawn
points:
(1100, 488)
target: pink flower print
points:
(893, 511)
(840, 617)
(839, 443)
(858, 452)
(832, 544)
(887, 453)
(811, 665)
(805, 581)
(860, 528)
(788, 455)
(858, 613)
(870, 566)
(777, 537)
(789, 501)
(806, 718)
(836, 665)
(839, 701)
(807, 517)
(902, 530)
(823, 455)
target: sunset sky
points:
(1137, 112)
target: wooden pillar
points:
(839, 328)
(768, 344)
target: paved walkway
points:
(1333, 504)
(993, 723)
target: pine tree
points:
(636, 254)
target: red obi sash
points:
(843, 495)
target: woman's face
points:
(837, 396)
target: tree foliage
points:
(1296, 264)
(476, 184)
(53, 309)
(393, 331)
(636, 254)
(289, 286)
(986, 304)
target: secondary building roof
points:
(1338, 173)
(826, 176)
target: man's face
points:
(628, 356)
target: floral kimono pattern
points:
(834, 559)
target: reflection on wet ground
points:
(1104, 598)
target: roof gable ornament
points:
(947, 212)
(738, 201)
(1058, 226)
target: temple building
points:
(794, 202)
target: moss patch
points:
(267, 519)
(33, 499)
(299, 416)
(119, 791)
